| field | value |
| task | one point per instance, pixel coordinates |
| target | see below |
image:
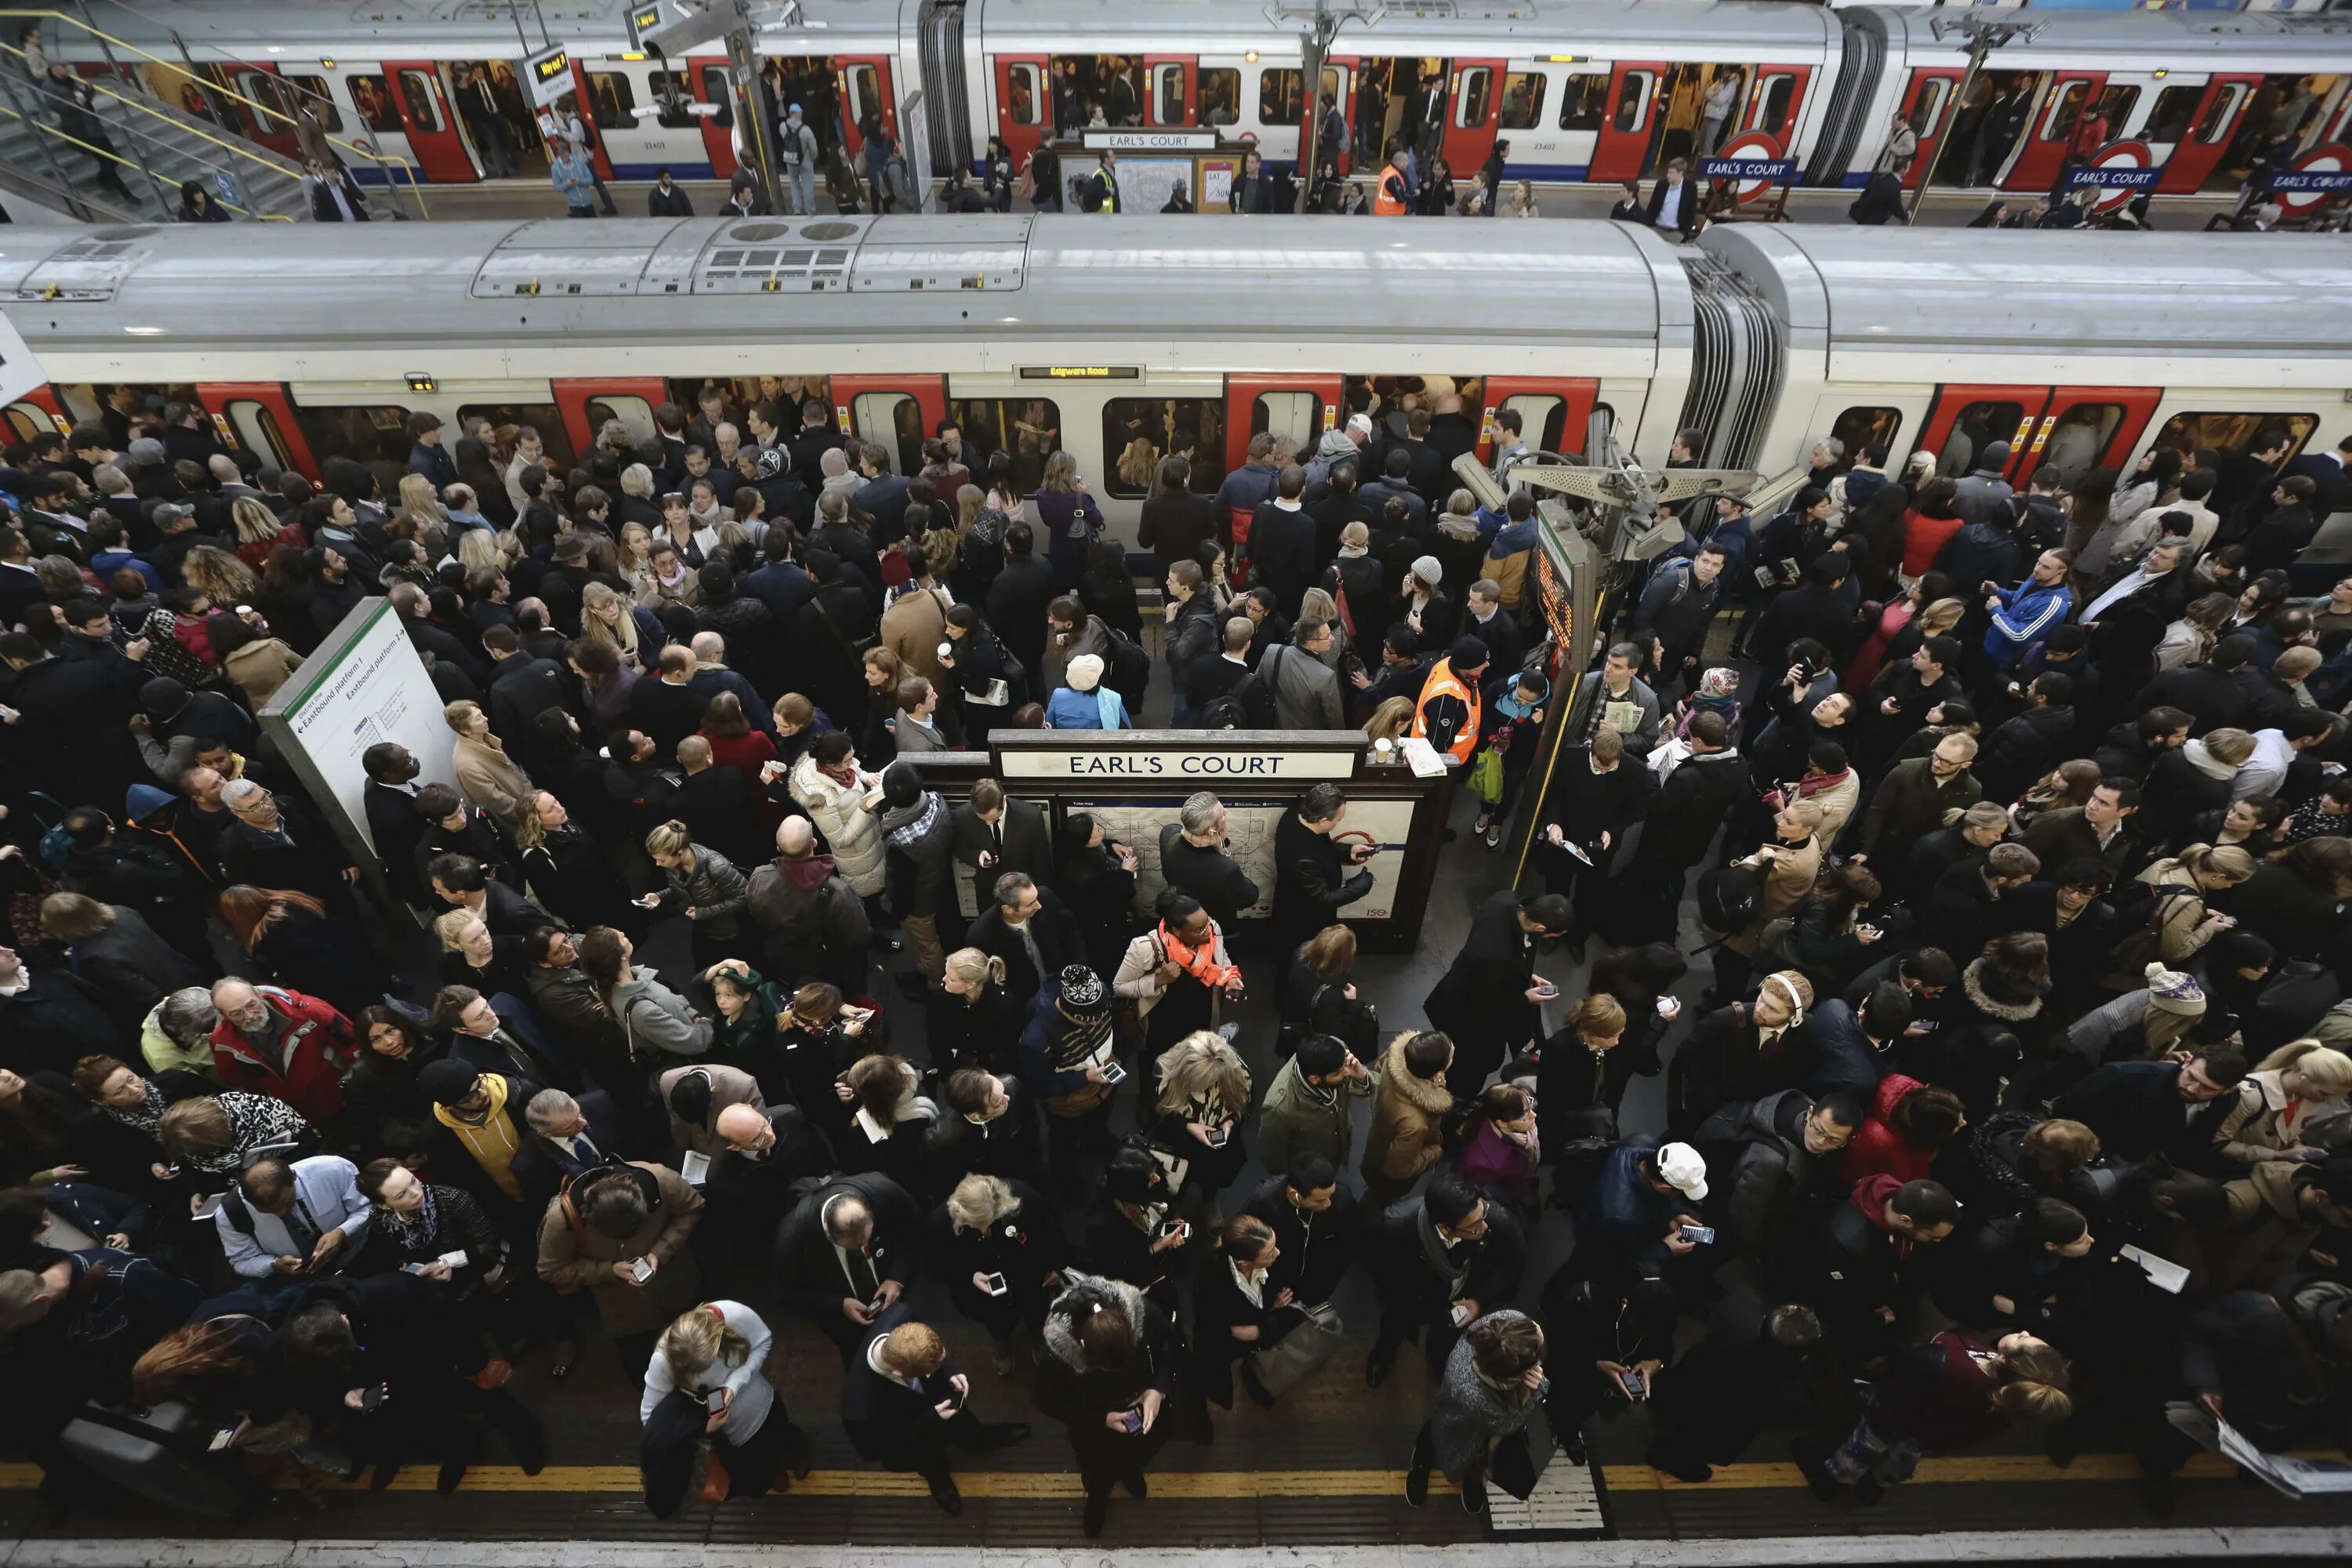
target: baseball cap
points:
(1681, 1168)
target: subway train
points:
(1584, 91)
(1113, 340)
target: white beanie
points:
(1086, 672)
(1428, 571)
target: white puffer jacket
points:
(839, 813)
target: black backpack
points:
(1256, 696)
(1728, 898)
(1131, 672)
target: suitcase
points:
(160, 1453)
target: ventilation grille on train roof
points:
(775, 256)
(91, 268)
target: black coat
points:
(57, 1019)
(2136, 1110)
(1690, 805)
(1017, 839)
(1313, 880)
(1174, 526)
(1317, 1246)
(2209, 696)
(1412, 1290)
(809, 1276)
(1208, 874)
(1016, 607)
(1481, 1000)
(1025, 1247)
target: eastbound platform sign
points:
(1754, 161)
(2118, 171)
(2325, 170)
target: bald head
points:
(709, 647)
(224, 468)
(832, 464)
(744, 1128)
(796, 837)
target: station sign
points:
(549, 74)
(2118, 171)
(2325, 170)
(1754, 161)
(1135, 141)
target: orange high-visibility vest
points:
(1443, 682)
(1388, 200)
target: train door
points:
(2042, 151)
(36, 413)
(894, 412)
(600, 157)
(1553, 414)
(585, 404)
(1965, 420)
(258, 416)
(1622, 149)
(1299, 406)
(1927, 105)
(1169, 82)
(708, 81)
(2188, 148)
(1476, 103)
(1024, 104)
(865, 84)
(431, 121)
(260, 84)
(1778, 94)
(1338, 92)
(2082, 428)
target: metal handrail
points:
(47, 129)
(270, 113)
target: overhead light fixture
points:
(1251, 57)
(418, 381)
(633, 54)
(327, 65)
(276, 49)
(145, 332)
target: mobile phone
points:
(221, 1439)
(955, 1396)
(1926, 1024)
(206, 1207)
(2225, 920)
(415, 1267)
(1635, 1383)
(1172, 1227)
(715, 1400)
(1546, 989)
(455, 1259)
(1132, 1420)
(996, 1285)
(1701, 1234)
(1113, 1073)
(1217, 1137)
(1461, 1313)
(1668, 1006)
(641, 1270)
(371, 1398)
(1865, 928)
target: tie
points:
(1771, 1044)
(860, 1266)
(584, 1150)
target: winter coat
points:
(1297, 1119)
(656, 1021)
(1406, 1134)
(309, 1078)
(490, 778)
(1878, 1148)
(854, 833)
(1471, 1415)
(575, 1256)
(713, 888)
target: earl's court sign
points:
(1097, 764)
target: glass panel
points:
(633, 412)
(865, 92)
(1867, 427)
(1927, 116)
(2117, 104)
(1168, 95)
(372, 100)
(2174, 108)
(1139, 431)
(1523, 93)
(1291, 413)
(2077, 441)
(2214, 123)
(1025, 101)
(719, 89)
(1279, 95)
(2064, 110)
(1977, 424)
(257, 427)
(1584, 101)
(2233, 434)
(1634, 102)
(1221, 96)
(1470, 102)
(416, 89)
(1543, 420)
(892, 421)
(612, 101)
(1028, 428)
(375, 438)
(1773, 103)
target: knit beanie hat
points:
(1084, 995)
(1428, 570)
(2170, 991)
(1086, 672)
(447, 1082)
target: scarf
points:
(1354, 552)
(1454, 525)
(905, 825)
(1509, 706)
(1200, 963)
(1809, 787)
(413, 1233)
(147, 1116)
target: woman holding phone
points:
(716, 1355)
(1109, 1374)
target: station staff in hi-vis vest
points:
(1100, 192)
(1394, 199)
(1450, 707)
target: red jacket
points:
(1923, 536)
(312, 1078)
(1877, 1149)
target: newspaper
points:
(2283, 1473)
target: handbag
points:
(1487, 775)
(1519, 1459)
(1302, 1351)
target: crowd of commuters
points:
(2017, 834)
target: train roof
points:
(1932, 299)
(1427, 26)
(2168, 39)
(426, 30)
(893, 280)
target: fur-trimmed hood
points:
(1996, 996)
(1428, 1096)
(1088, 1293)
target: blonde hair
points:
(460, 715)
(1390, 720)
(2326, 1069)
(1599, 1017)
(2227, 861)
(480, 547)
(529, 831)
(2226, 745)
(448, 923)
(968, 500)
(2033, 1380)
(74, 917)
(593, 597)
(219, 576)
(698, 1338)
(979, 1202)
(1203, 1063)
(195, 1126)
(672, 837)
(1807, 812)
(973, 967)
(1942, 615)
(256, 523)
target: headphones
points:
(1796, 1003)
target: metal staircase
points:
(151, 149)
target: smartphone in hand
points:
(996, 1285)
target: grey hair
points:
(1836, 447)
(547, 1107)
(1200, 814)
(187, 1014)
(638, 480)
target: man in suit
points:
(2144, 1109)
(391, 816)
(1192, 859)
(1675, 202)
(1313, 877)
(272, 846)
(903, 1405)
(568, 1136)
(2330, 473)
(1019, 598)
(717, 807)
(765, 1151)
(498, 1034)
(1031, 930)
(844, 1253)
(995, 834)
(459, 881)
(1282, 540)
(1442, 1260)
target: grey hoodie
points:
(656, 1020)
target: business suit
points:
(1686, 222)
(1017, 839)
(811, 1276)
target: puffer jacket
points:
(713, 889)
(1405, 1139)
(1471, 1415)
(839, 811)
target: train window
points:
(1139, 431)
(1473, 95)
(1978, 425)
(612, 101)
(1523, 95)
(1025, 95)
(1028, 428)
(1633, 101)
(1290, 414)
(635, 413)
(894, 422)
(1584, 101)
(1543, 420)
(312, 90)
(717, 90)
(377, 438)
(543, 417)
(1280, 94)
(670, 87)
(372, 97)
(2115, 106)
(1168, 106)
(2218, 115)
(1771, 111)
(1866, 426)
(2064, 110)
(865, 92)
(2233, 434)
(2078, 440)
(2175, 106)
(417, 89)
(1927, 108)
(1220, 95)
(256, 431)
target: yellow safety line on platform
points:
(1213, 1485)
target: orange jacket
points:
(1391, 199)
(1443, 682)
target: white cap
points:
(1681, 1168)
(1360, 421)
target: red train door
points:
(1984, 414)
(2085, 427)
(259, 84)
(431, 121)
(602, 159)
(894, 412)
(1169, 90)
(1361, 160)
(1929, 104)
(708, 76)
(259, 417)
(1299, 406)
(865, 84)
(2199, 151)
(2056, 120)
(1472, 110)
(1554, 415)
(1024, 104)
(573, 396)
(1620, 149)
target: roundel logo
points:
(2117, 173)
(2324, 172)
(1761, 148)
